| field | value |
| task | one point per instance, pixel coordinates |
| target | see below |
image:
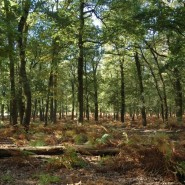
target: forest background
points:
(92, 59)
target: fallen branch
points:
(54, 150)
(20, 151)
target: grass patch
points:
(46, 179)
(7, 178)
(37, 143)
(80, 139)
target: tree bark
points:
(163, 84)
(47, 100)
(41, 109)
(73, 99)
(156, 85)
(122, 91)
(95, 98)
(35, 109)
(95, 83)
(80, 61)
(143, 111)
(22, 30)
(86, 92)
(13, 99)
(178, 95)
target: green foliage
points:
(27, 153)
(105, 159)
(46, 179)
(104, 139)
(80, 139)
(72, 160)
(7, 178)
(36, 143)
(162, 142)
(180, 168)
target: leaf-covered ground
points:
(151, 155)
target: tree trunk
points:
(178, 96)
(47, 100)
(60, 112)
(35, 109)
(23, 29)
(13, 99)
(41, 111)
(50, 92)
(2, 105)
(80, 61)
(2, 111)
(95, 83)
(21, 106)
(86, 92)
(163, 84)
(143, 111)
(162, 104)
(73, 99)
(122, 91)
(95, 98)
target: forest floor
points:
(152, 155)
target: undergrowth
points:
(47, 179)
(7, 178)
(70, 159)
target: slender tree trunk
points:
(2, 104)
(66, 108)
(35, 109)
(51, 108)
(80, 61)
(95, 83)
(87, 108)
(51, 100)
(22, 29)
(53, 82)
(122, 91)
(178, 96)
(60, 112)
(101, 113)
(47, 99)
(143, 111)
(95, 97)
(73, 99)
(13, 99)
(41, 111)
(2, 111)
(156, 86)
(86, 92)
(163, 84)
(21, 106)
(55, 111)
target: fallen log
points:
(54, 150)
(88, 150)
(22, 151)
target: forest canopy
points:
(92, 60)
